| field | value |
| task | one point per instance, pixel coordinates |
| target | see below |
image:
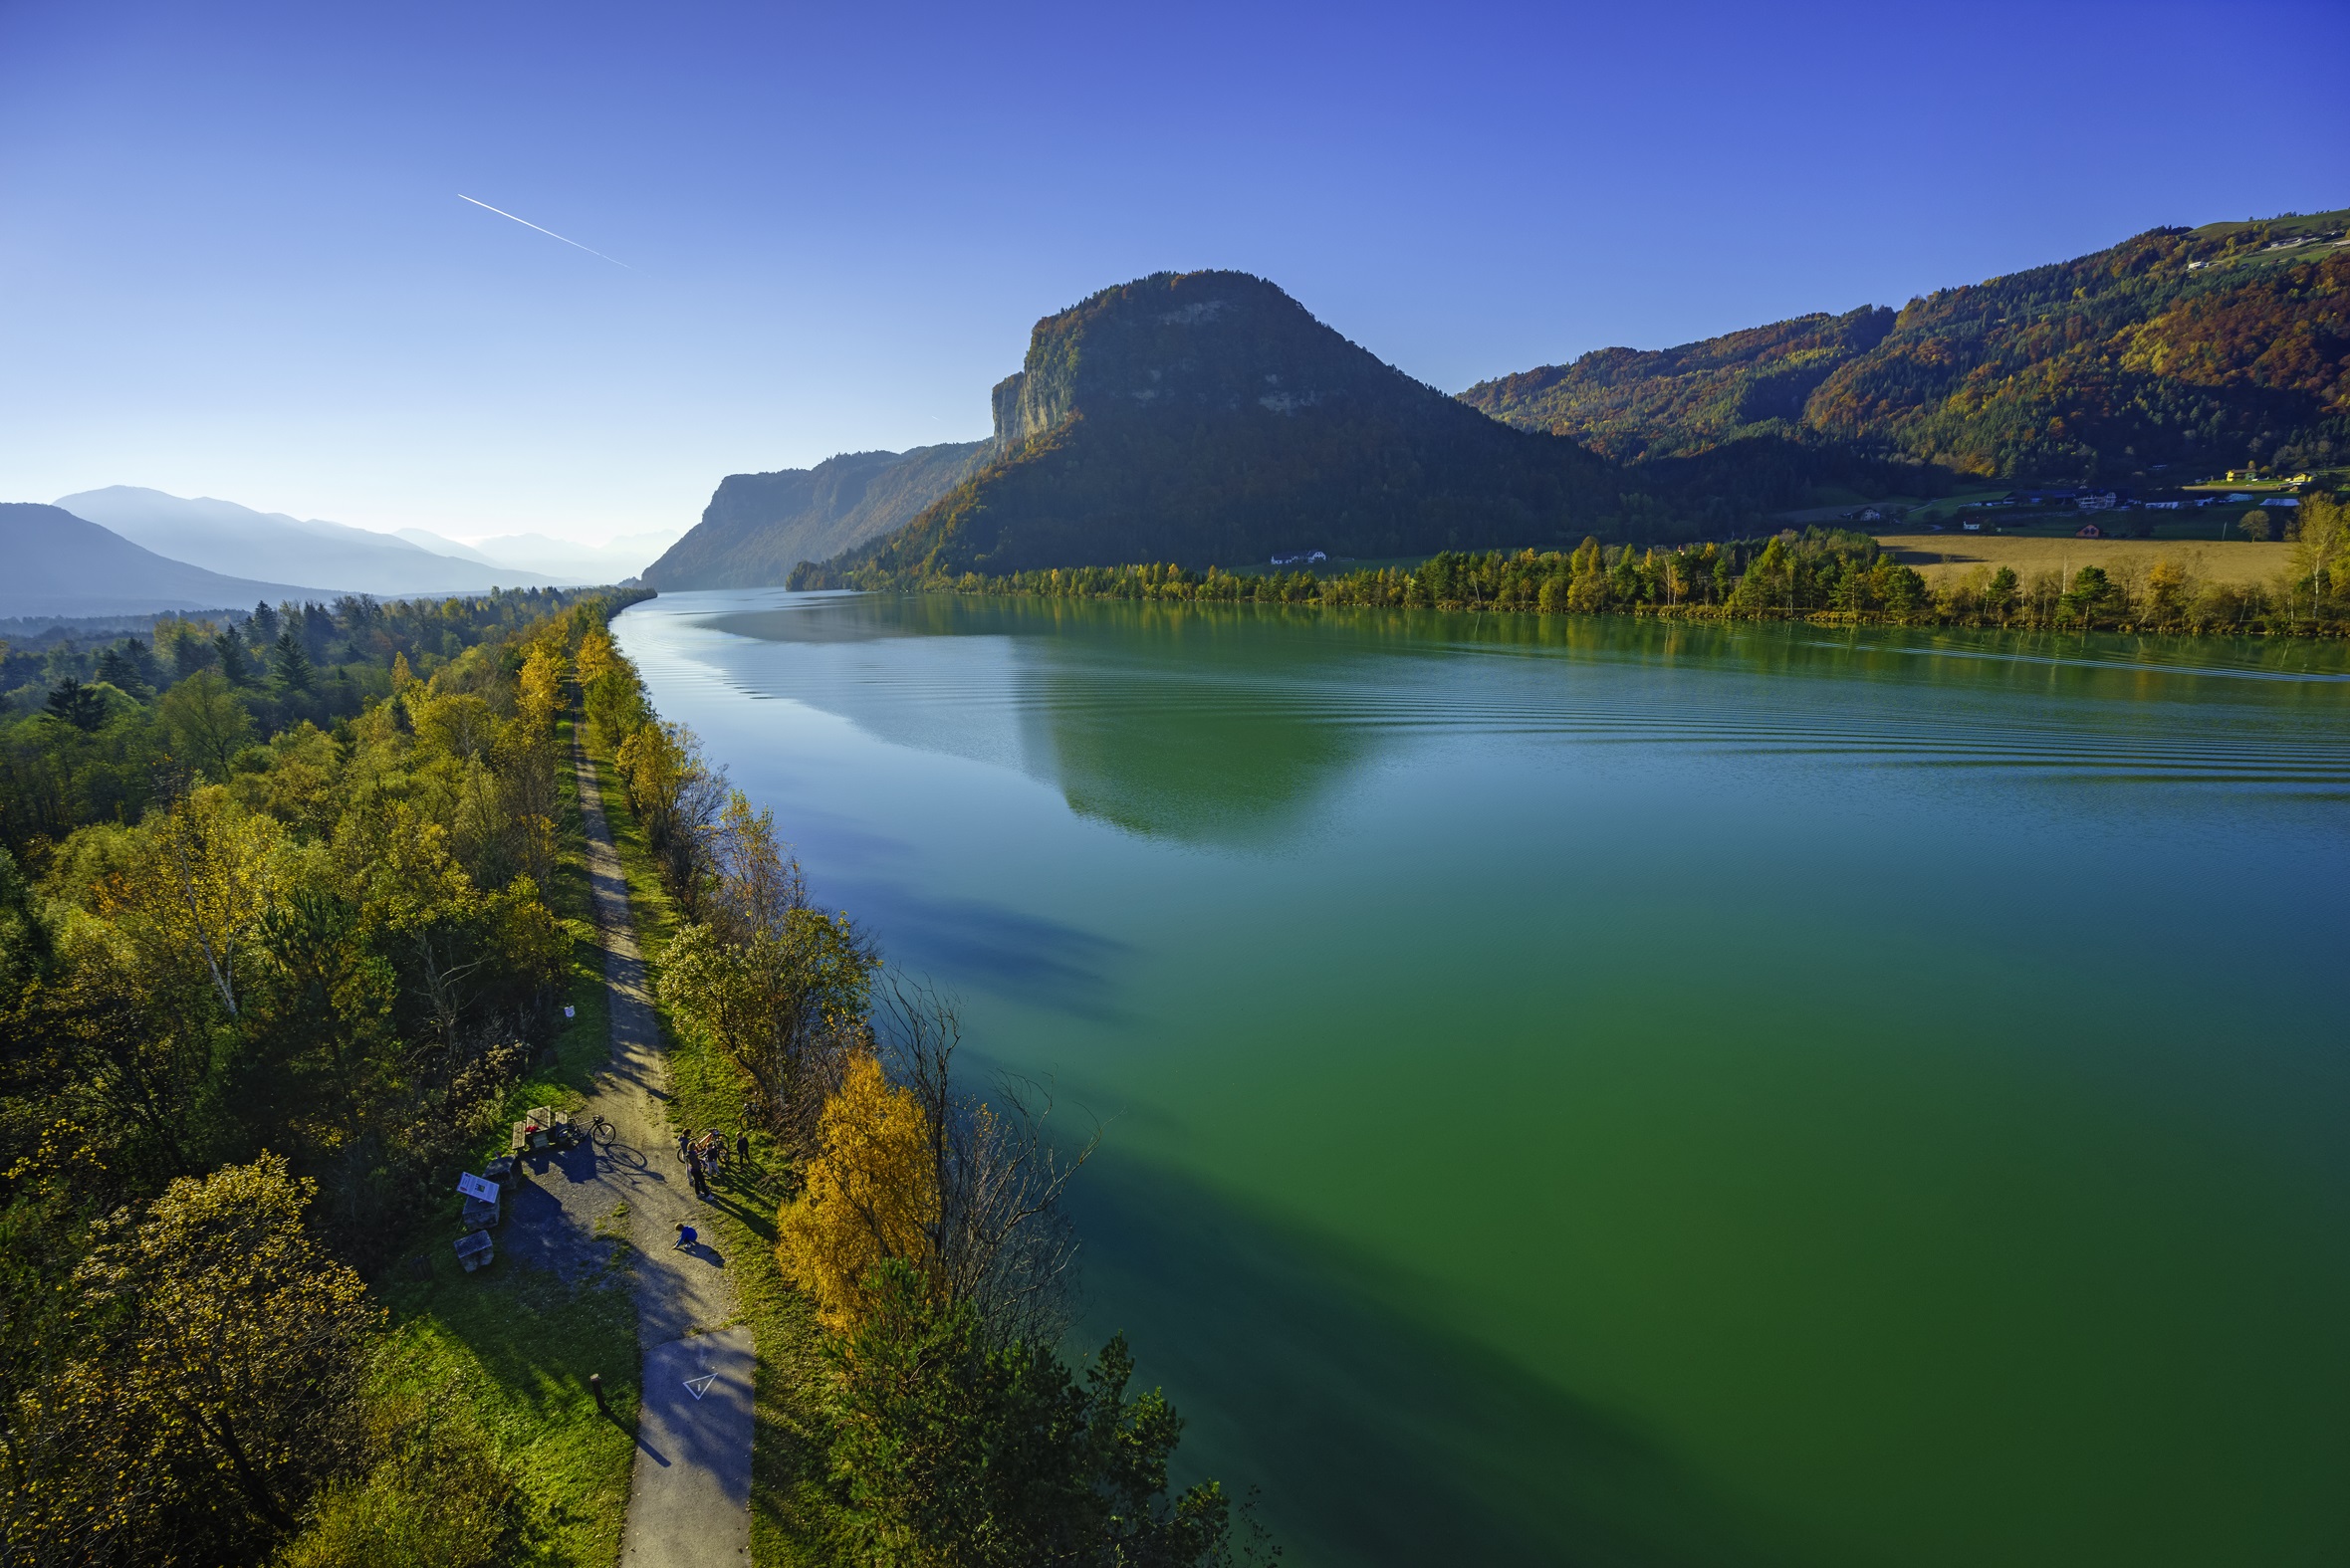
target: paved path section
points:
(689, 1501)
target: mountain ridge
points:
(65, 566)
(1208, 416)
(2215, 346)
(758, 527)
(234, 540)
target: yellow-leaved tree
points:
(538, 694)
(871, 1195)
(223, 1377)
(596, 655)
(2320, 538)
(194, 885)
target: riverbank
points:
(897, 1243)
(1827, 576)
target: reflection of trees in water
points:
(1233, 723)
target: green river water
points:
(1590, 1091)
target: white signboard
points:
(473, 1186)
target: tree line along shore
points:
(293, 914)
(1818, 574)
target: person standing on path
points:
(693, 1166)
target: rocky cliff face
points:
(1208, 418)
(757, 526)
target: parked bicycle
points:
(602, 1131)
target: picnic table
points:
(540, 1127)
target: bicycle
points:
(602, 1131)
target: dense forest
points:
(2209, 348)
(1829, 574)
(284, 935)
(138, 712)
(273, 944)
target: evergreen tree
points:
(293, 664)
(233, 662)
(119, 668)
(78, 705)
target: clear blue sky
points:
(233, 261)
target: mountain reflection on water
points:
(1225, 724)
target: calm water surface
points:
(1588, 1091)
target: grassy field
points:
(1942, 557)
(788, 1511)
(512, 1347)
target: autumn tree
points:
(192, 888)
(867, 1196)
(2168, 592)
(221, 1361)
(2318, 544)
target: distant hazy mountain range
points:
(759, 525)
(65, 566)
(617, 560)
(126, 551)
(222, 536)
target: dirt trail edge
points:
(689, 1500)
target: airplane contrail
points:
(550, 233)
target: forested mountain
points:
(223, 536)
(757, 526)
(2214, 348)
(1208, 417)
(65, 566)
